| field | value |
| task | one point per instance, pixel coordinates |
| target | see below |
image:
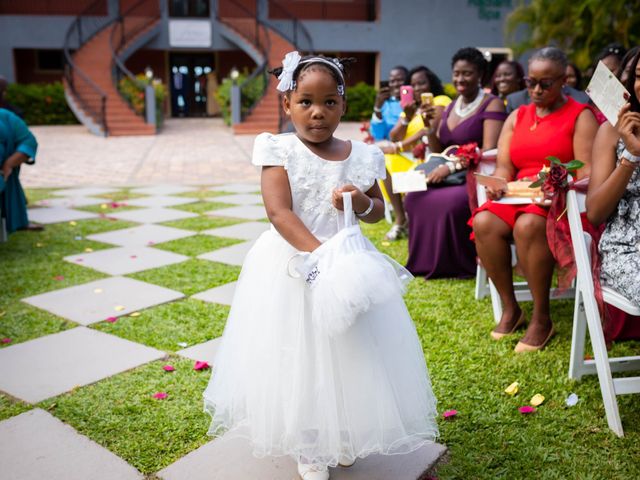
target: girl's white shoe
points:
(346, 462)
(312, 472)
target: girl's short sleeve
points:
(377, 162)
(268, 151)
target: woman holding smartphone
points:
(439, 243)
(409, 129)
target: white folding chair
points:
(586, 315)
(484, 285)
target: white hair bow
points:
(289, 65)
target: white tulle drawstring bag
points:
(347, 276)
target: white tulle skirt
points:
(294, 390)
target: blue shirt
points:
(380, 128)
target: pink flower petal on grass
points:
(168, 368)
(160, 395)
(6, 340)
(59, 277)
(201, 365)
(450, 413)
(526, 409)
(110, 319)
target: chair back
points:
(580, 241)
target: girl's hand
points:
(359, 200)
(439, 174)
(628, 127)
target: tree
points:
(580, 27)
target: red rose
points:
(420, 150)
(558, 176)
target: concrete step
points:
(231, 459)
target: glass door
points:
(190, 74)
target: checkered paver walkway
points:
(43, 371)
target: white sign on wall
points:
(190, 33)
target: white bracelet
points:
(368, 210)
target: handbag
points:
(346, 277)
(434, 160)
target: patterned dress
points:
(620, 242)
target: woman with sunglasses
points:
(552, 125)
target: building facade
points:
(195, 43)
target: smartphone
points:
(426, 98)
(384, 83)
(406, 96)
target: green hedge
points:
(251, 92)
(360, 100)
(133, 92)
(42, 104)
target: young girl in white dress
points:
(289, 387)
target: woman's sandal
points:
(521, 321)
(522, 347)
(396, 232)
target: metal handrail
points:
(263, 47)
(297, 25)
(71, 69)
(119, 69)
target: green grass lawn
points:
(488, 438)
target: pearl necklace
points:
(464, 110)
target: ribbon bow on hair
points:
(289, 65)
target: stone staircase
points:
(95, 61)
(265, 116)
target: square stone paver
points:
(233, 255)
(164, 189)
(222, 294)
(203, 351)
(70, 202)
(160, 201)
(125, 260)
(245, 230)
(231, 458)
(35, 445)
(238, 199)
(54, 364)
(98, 300)
(57, 215)
(153, 215)
(249, 212)
(143, 235)
(237, 188)
(84, 191)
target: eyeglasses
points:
(545, 84)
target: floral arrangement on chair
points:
(364, 128)
(556, 177)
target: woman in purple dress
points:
(439, 243)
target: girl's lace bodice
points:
(312, 178)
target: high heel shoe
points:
(521, 321)
(522, 347)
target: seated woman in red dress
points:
(552, 125)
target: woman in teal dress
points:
(17, 146)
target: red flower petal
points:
(6, 340)
(201, 365)
(110, 319)
(59, 277)
(160, 395)
(450, 413)
(168, 368)
(526, 409)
